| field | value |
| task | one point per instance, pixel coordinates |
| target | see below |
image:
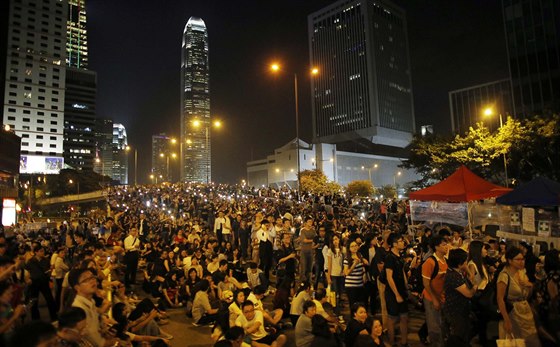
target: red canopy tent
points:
(462, 186)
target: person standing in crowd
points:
(39, 271)
(143, 228)
(458, 290)
(481, 279)
(513, 288)
(219, 224)
(265, 235)
(60, 270)
(131, 256)
(433, 277)
(354, 269)
(307, 234)
(319, 242)
(396, 293)
(335, 268)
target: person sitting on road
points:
(252, 321)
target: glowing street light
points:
(128, 149)
(275, 68)
(489, 112)
(197, 124)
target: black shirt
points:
(396, 264)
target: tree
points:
(316, 182)
(388, 191)
(360, 188)
(530, 147)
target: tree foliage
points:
(388, 191)
(530, 147)
(316, 182)
(360, 188)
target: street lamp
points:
(70, 181)
(489, 112)
(172, 155)
(197, 124)
(369, 171)
(128, 148)
(398, 173)
(275, 68)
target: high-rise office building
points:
(161, 153)
(81, 92)
(532, 29)
(33, 51)
(120, 154)
(364, 88)
(467, 105)
(76, 35)
(195, 103)
(79, 118)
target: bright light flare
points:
(274, 67)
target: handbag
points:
(331, 296)
(510, 341)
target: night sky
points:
(135, 48)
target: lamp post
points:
(488, 112)
(275, 68)
(369, 171)
(70, 181)
(99, 161)
(398, 173)
(166, 156)
(128, 148)
(216, 124)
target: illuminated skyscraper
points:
(195, 103)
(76, 35)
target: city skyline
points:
(138, 83)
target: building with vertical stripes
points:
(364, 88)
(195, 103)
(467, 105)
(532, 29)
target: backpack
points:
(416, 281)
(486, 302)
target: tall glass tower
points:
(195, 103)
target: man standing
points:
(39, 271)
(219, 224)
(395, 291)
(131, 255)
(433, 278)
(85, 285)
(143, 228)
(307, 234)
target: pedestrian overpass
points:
(97, 195)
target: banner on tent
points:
(439, 212)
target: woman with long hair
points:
(335, 269)
(354, 270)
(481, 278)
(235, 308)
(513, 288)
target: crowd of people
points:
(254, 264)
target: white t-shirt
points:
(260, 333)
